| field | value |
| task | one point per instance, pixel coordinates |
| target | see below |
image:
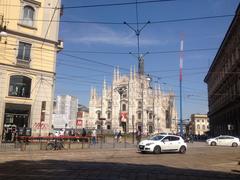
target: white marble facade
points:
(158, 109)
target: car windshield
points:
(156, 138)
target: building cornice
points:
(20, 34)
(19, 67)
(32, 2)
(224, 42)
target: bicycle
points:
(55, 145)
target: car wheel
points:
(182, 150)
(234, 144)
(157, 150)
(213, 143)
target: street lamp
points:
(122, 90)
(148, 78)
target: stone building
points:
(131, 103)
(198, 125)
(223, 80)
(28, 50)
(82, 117)
(65, 111)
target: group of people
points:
(118, 135)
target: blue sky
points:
(75, 76)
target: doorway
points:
(16, 118)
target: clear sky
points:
(76, 75)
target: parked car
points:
(163, 143)
(224, 141)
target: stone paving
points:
(200, 162)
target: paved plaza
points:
(200, 162)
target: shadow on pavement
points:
(56, 169)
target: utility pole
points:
(180, 79)
(138, 31)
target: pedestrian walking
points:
(119, 136)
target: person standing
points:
(139, 135)
(84, 133)
(94, 136)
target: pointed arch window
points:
(20, 86)
(109, 115)
(139, 104)
(150, 116)
(98, 114)
(139, 115)
(124, 107)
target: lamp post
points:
(148, 78)
(121, 90)
(142, 104)
(158, 120)
(133, 129)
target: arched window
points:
(109, 115)
(20, 86)
(108, 127)
(28, 15)
(139, 104)
(99, 114)
(150, 115)
(139, 115)
(124, 107)
(198, 126)
(124, 95)
(150, 129)
(109, 104)
(203, 127)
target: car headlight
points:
(148, 144)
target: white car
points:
(224, 141)
(163, 143)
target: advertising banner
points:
(123, 117)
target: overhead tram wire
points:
(115, 52)
(99, 5)
(132, 23)
(116, 4)
(112, 66)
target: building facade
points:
(198, 125)
(131, 103)
(65, 112)
(82, 117)
(185, 123)
(28, 48)
(223, 81)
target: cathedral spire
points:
(91, 93)
(159, 90)
(104, 83)
(94, 93)
(141, 65)
(118, 73)
(130, 76)
(114, 74)
(104, 90)
(134, 72)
